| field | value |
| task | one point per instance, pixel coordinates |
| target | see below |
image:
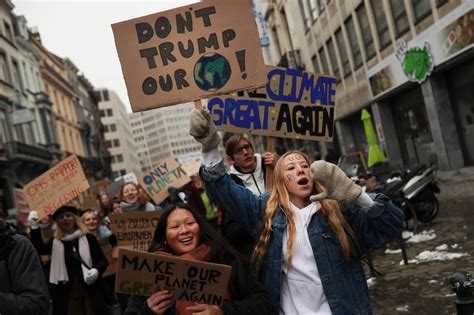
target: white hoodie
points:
(255, 182)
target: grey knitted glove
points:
(338, 186)
(202, 128)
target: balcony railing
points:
(25, 152)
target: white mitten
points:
(202, 128)
(33, 219)
(338, 186)
(91, 276)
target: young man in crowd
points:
(247, 169)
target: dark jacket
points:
(236, 234)
(23, 288)
(60, 292)
(343, 281)
(251, 298)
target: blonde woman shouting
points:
(310, 230)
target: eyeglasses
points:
(241, 149)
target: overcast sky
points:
(80, 30)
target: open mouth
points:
(303, 181)
(186, 240)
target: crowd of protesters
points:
(294, 250)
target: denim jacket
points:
(344, 282)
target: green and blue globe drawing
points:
(211, 72)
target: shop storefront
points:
(413, 127)
(461, 82)
(428, 86)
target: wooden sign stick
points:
(197, 104)
(269, 170)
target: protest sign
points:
(90, 202)
(189, 53)
(100, 187)
(113, 189)
(59, 185)
(134, 230)
(146, 273)
(192, 167)
(294, 104)
(164, 174)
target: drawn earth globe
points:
(211, 72)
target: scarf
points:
(58, 272)
(129, 207)
(201, 253)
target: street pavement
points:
(424, 288)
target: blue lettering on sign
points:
(320, 90)
(240, 113)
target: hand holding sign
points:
(160, 302)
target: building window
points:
(422, 9)
(351, 32)
(108, 144)
(333, 58)
(119, 158)
(440, 2)
(305, 13)
(314, 60)
(113, 127)
(346, 66)
(8, 31)
(116, 143)
(4, 73)
(109, 112)
(322, 4)
(399, 17)
(365, 30)
(381, 23)
(16, 76)
(105, 94)
(324, 62)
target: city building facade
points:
(96, 159)
(118, 134)
(373, 47)
(162, 133)
(28, 144)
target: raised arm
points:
(238, 202)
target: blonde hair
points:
(280, 198)
(59, 234)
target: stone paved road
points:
(424, 288)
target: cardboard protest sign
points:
(90, 202)
(189, 53)
(192, 167)
(107, 249)
(100, 186)
(113, 189)
(293, 104)
(56, 187)
(146, 273)
(134, 230)
(165, 173)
